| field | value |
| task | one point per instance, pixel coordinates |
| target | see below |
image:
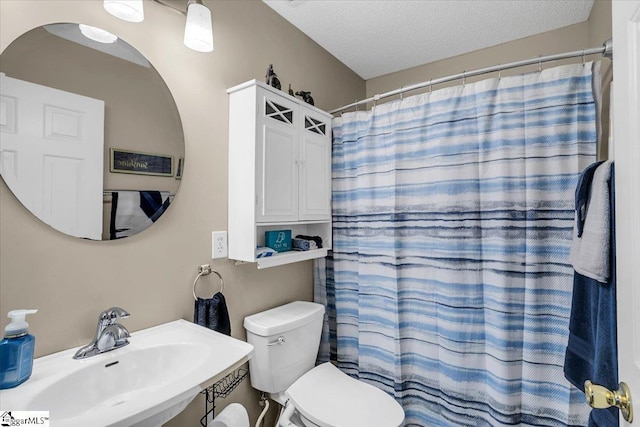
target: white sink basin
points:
(146, 383)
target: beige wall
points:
(574, 37)
(70, 280)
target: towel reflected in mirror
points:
(134, 211)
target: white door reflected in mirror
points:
(56, 173)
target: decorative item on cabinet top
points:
(272, 78)
(306, 96)
(279, 172)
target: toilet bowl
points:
(286, 341)
(326, 397)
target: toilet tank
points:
(286, 341)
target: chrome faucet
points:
(109, 334)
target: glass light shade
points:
(129, 10)
(97, 34)
(198, 32)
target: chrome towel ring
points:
(205, 270)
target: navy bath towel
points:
(212, 313)
(592, 348)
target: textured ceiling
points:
(377, 37)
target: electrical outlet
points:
(218, 244)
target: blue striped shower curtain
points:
(449, 285)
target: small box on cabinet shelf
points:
(278, 240)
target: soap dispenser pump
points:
(16, 350)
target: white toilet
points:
(286, 341)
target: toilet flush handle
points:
(279, 341)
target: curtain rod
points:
(605, 50)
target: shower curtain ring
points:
(401, 93)
(356, 105)
(540, 63)
(375, 101)
(430, 87)
(464, 78)
(499, 71)
(583, 57)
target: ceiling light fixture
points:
(97, 34)
(128, 10)
(198, 31)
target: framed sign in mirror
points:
(124, 161)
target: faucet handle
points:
(112, 313)
(117, 311)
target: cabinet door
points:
(276, 159)
(315, 167)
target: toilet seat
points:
(330, 398)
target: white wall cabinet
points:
(279, 172)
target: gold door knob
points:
(600, 397)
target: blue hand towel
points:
(583, 189)
(592, 348)
(212, 313)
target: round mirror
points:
(90, 137)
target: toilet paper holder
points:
(220, 390)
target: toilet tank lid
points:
(284, 318)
